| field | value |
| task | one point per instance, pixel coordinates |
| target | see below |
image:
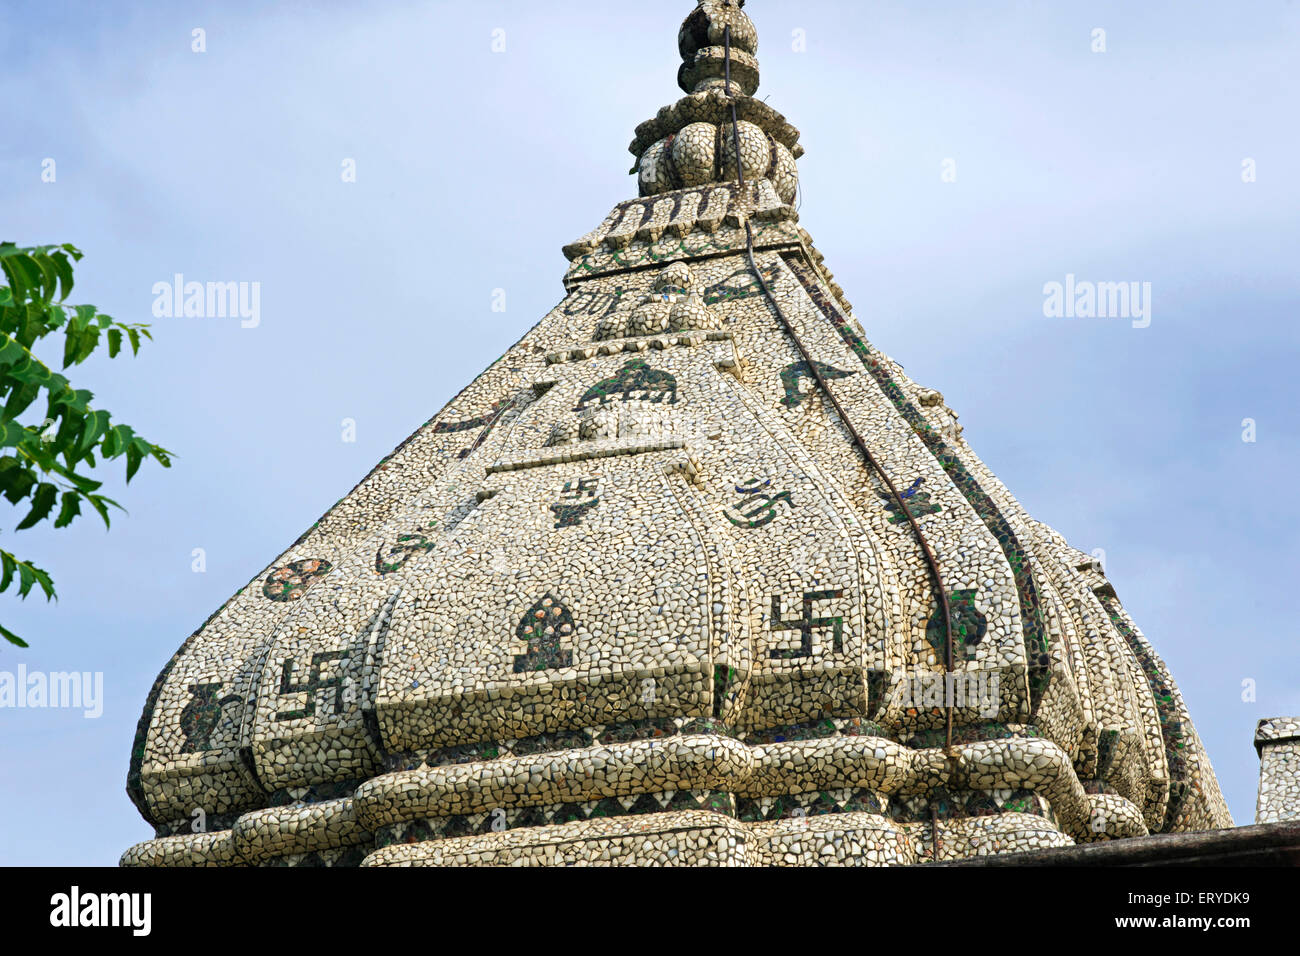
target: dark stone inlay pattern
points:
(502, 819)
(970, 734)
(291, 582)
(635, 381)
(820, 803)
(968, 626)
(655, 728)
(949, 805)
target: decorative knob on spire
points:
(692, 143)
(703, 48)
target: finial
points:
(700, 42)
(692, 143)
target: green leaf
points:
(16, 480)
(125, 435)
(114, 342)
(79, 343)
(46, 583)
(64, 269)
(100, 504)
(133, 459)
(28, 575)
(25, 579)
(70, 508)
(23, 274)
(89, 342)
(71, 401)
(19, 399)
(12, 638)
(49, 277)
(42, 501)
(69, 430)
(96, 425)
(11, 434)
(83, 484)
(32, 324)
(71, 345)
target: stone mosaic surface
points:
(635, 597)
(1278, 742)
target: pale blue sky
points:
(473, 168)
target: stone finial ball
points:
(704, 26)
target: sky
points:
(960, 157)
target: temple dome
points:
(661, 586)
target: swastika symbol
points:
(807, 624)
(311, 685)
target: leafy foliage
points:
(43, 466)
